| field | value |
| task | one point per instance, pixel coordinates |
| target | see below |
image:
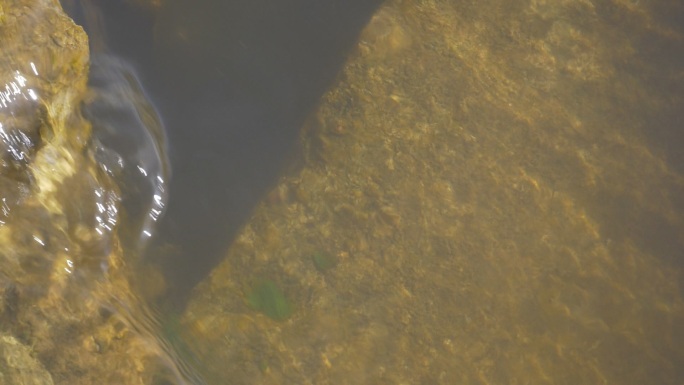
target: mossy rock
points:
(323, 262)
(267, 298)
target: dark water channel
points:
(233, 82)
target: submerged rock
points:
(481, 176)
(42, 77)
(66, 278)
(18, 366)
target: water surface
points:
(482, 193)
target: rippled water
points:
(129, 143)
(83, 178)
(19, 135)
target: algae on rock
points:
(269, 299)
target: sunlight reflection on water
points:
(130, 142)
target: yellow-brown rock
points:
(481, 176)
(65, 287)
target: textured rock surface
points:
(481, 175)
(43, 73)
(17, 366)
(64, 287)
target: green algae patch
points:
(323, 262)
(267, 298)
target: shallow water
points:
(130, 145)
(466, 193)
(234, 82)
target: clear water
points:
(234, 82)
(464, 193)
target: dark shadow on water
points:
(234, 81)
